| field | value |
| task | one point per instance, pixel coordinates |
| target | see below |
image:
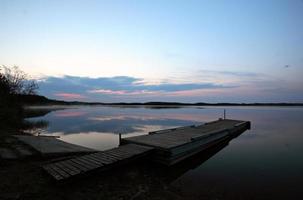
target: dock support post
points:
(224, 115)
(119, 139)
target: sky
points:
(160, 50)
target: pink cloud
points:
(101, 91)
(196, 92)
(70, 95)
(122, 92)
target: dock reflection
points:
(170, 174)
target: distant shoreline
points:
(36, 100)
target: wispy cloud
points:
(70, 95)
(121, 92)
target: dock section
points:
(174, 145)
(51, 146)
(101, 160)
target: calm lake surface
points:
(265, 162)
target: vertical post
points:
(119, 139)
(224, 115)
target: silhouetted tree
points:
(17, 81)
(4, 86)
(13, 84)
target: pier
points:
(174, 145)
(167, 147)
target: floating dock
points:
(168, 147)
(51, 146)
(174, 145)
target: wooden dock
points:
(51, 146)
(168, 147)
(174, 145)
(101, 160)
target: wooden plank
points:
(76, 166)
(65, 168)
(53, 172)
(59, 171)
(102, 155)
(102, 158)
(148, 141)
(120, 154)
(99, 160)
(83, 164)
(105, 156)
(128, 152)
(90, 160)
(72, 169)
(140, 148)
(109, 156)
(86, 162)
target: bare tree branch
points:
(18, 81)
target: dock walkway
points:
(51, 146)
(101, 160)
(171, 138)
(173, 145)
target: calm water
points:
(264, 162)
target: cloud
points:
(121, 92)
(203, 85)
(74, 87)
(70, 95)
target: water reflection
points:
(83, 124)
(170, 174)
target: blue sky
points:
(213, 51)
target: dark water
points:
(265, 162)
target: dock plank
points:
(71, 167)
(98, 160)
(53, 172)
(78, 165)
(103, 159)
(109, 156)
(92, 161)
(59, 171)
(86, 162)
(66, 168)
(84, 165)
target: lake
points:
(265, 162)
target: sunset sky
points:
(160, 50)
